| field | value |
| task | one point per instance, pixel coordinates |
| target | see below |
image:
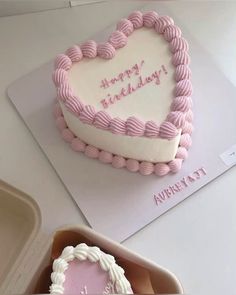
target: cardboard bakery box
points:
(26, 252)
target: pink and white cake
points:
(127, 101)
(87, 270)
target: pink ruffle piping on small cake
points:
(133, 126)
(132, 165)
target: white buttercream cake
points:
(127, 101)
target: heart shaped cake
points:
(127, 101)
(87, 270)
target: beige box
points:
(26, 253)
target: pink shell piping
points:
(90, 49)
(132, 165)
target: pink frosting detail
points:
(180, 58)
(146, 168)
(168, 130)
(149, 18)
(177, 118)
(67, 135)
(74, 53)
(59, 76)
(182, 153)
(64, 92)
(181, 103)
(185, 141)
(132, 165)
(178, 44)
(89, 49)
(88, 114)
(162, 22)
(171, 32)
(102, 120)
(125, 26)
(62, 61)
(77, 145)
(136, 18)
(134, 126)
(183, 88)
(161, 169)
(118, 162)
(117, 39)
(74, 105)
(189, 116)
(182, 72)
(151, 129)
(106, 50)
(105, 157)
(117, 126)
(57, 112)
(61, 123)
(91, 151)
(175, 165)
(187, 128)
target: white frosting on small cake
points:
(91, 79)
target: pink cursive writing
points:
(171, 190)
(134, 70)
(130, 88)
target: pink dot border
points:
(132, 126)
(132, 165)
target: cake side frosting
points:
(139, 148)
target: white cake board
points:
(117, 202)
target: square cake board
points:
(116, 202)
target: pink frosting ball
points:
(62, 61)
(67, 135)
(132, 165)
(175, 165)
(161, 169)
(57, 112)
(117, 39)
(187, 128)
(149, 18)
(106, 50)
(171, 32)
(89, 49)
(182, 153)
(61, 123)
(118, 162)
(146, 168)
(74, 53)
(125, 26)
(78, 145)
(91, 152)
(185, 141)
(136, 18)
(162, 22)
(189, 116)
(105, 157)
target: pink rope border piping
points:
(133, 126)
(132, 165)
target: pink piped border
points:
(133, 126)
(132, 165)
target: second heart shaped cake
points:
(127, 101)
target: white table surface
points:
(197, 239)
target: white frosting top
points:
(149, 102)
